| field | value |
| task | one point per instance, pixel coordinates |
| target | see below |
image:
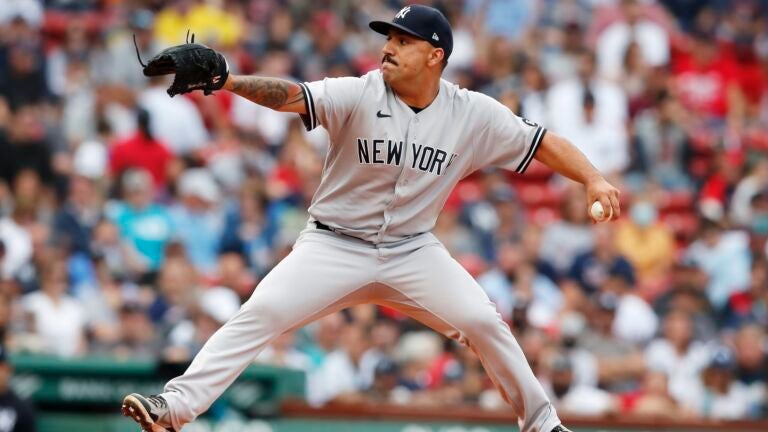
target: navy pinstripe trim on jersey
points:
(309, 119)
(540, 131)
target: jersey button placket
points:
(401, 179)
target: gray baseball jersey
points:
(387, 175)
(389, 170)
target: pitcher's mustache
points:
(388, 59)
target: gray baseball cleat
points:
(561, 428)
(146, 411)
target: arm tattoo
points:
(270, 92)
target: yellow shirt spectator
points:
(648, 245)
(211, 26)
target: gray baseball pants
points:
(327, 272)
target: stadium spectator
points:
(283, 352)
(517, 283)
(248, 232)
(592, 112)
(592, 268)
(635, 320)
(619, 362)
(55, 320)
(758, 209)
(661, 142)
(563, 240)
(177, 286)
(752, 367)
(345, 372)
(704, 79)
(456, 237)
(750, 306)
(121, 51)
(17, 414)
(560, 58)
(119, 260)
(717, 395)
(144, 226)
(74, 223)
(17, 246)
(384, 388)
(213, 25)
(322, 337)
(212, 308)
(654, 400)
(501, 18)
(576, 399)
(24, 82)
(633, 28)
(678, 355)
(141, 151)
(136, 338)
(724, 256)
(647, 244)
(28, 146)
(233, 273)
(174, 121)
(198, 219)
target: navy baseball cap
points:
(422, 22)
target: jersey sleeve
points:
(330, 101)
(507, 140)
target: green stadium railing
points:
(93, 387)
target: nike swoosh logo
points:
(380, 115)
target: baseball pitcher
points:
(401, 138)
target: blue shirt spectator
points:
(199, 220)
(143, 225)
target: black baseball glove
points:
(196, 67)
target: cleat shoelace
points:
(158, 401)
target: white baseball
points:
(597, 211)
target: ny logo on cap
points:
(403, 12)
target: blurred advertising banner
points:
(98, 385)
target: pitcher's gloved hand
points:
(196, 67)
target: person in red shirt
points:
(705, 80)
(141, 150)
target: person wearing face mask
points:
(647, 244)
(758, 222)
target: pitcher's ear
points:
(436, 56)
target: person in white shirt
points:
(283, 352)
(56, 320)
(175, 121)
(635, 320)
(17, 247)
(678, 355)
(346, 372)
(614, 40)
(592, 112)
(718, 395)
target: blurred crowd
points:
(133, 224)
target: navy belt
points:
(324, 227)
